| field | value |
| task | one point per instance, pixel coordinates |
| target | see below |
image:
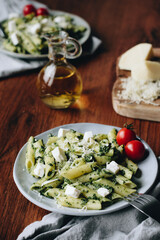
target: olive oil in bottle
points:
(59, 83)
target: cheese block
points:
(138, 53)
(146, 103)
(146, 71)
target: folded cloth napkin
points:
(126, 224)
(10, 65)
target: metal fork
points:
(145, 203)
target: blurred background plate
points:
(76, 20)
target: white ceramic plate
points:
(76, 19)
(23, 180)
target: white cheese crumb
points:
(61, 21)
(59, 154)
(103, 191)
(72, 191)
(62, 132)
(14, 38)
(11, 26)
(44, 21)
(34, 28)
(112, 167)
(39, 170)
(87, 136)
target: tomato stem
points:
(129, 126)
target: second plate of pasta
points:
(80, 181)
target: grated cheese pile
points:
(136, 92)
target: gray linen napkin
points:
(126, 224)
(10, 65)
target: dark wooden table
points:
(120, 25)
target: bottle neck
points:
(57, 52)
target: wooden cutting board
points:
(133, 110)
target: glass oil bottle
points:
(59, 83)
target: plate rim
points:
(72, 211)
(44, 56)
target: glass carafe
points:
(59, 83)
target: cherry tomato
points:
(42, 12)
(135, 150)
(125, 135)
(29, 9)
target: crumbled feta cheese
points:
(49, 23)
(112, 167)
(11, 26)
(62, 132)
(13, 15)
(59, 154)
(72, 191)
(44, 21)
(34, 28)
(39, 170)
(103, 191)
(88, 135)
(61, 21)
(63, 24)
(14, 38)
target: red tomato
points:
(29, 9)
(125, 135)
(42, 12)
(135, 150)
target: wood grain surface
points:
(131, 109)
(23, 114)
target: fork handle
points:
(153, 211)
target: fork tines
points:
(132, 197)
(145, 203)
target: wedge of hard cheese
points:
(146, 71)
(138, 53)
